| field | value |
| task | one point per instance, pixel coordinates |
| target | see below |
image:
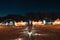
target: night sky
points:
(24, 6)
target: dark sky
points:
(24, 6)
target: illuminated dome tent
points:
(21, 23)
(8, 22)
(37, 23)
(56, 22)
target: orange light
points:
(35, 23)
(56, 22)
(39, 22)
(20, 23)
(0, 23)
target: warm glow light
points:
(40, 22)
(35, 23)
(56, 22)
(0, 23)
(20, 23)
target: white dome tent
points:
(8, 22)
